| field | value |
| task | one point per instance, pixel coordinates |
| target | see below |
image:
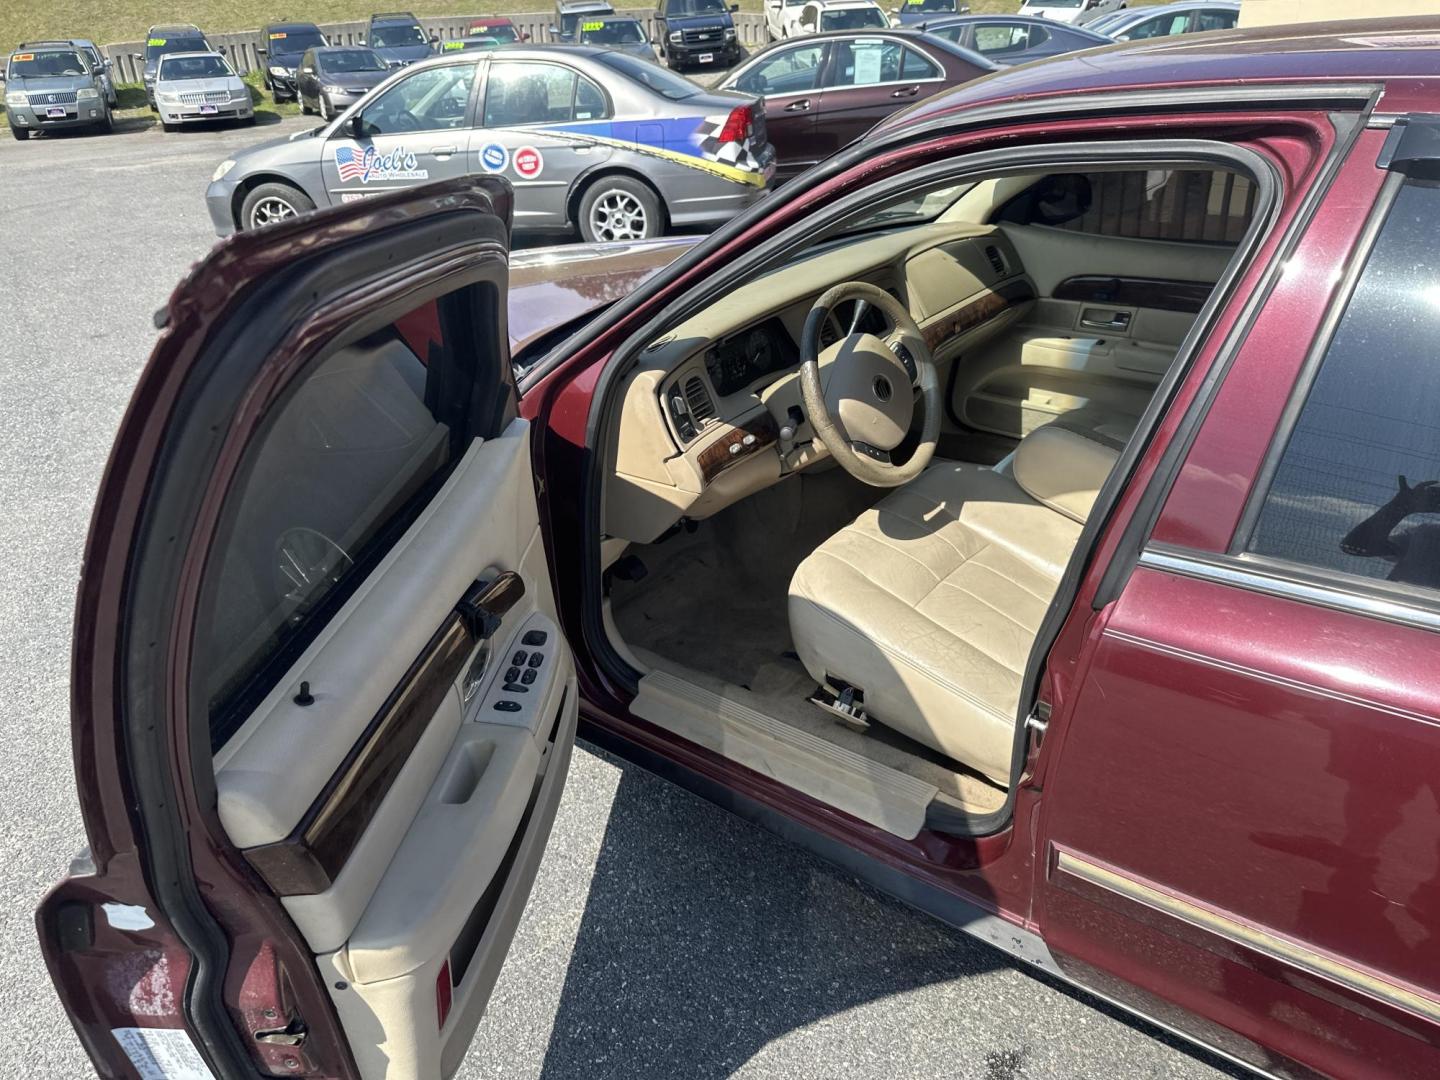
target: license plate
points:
(208, 110)
(707, 57)
(55, 110)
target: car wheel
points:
(325, 113)
(166, 126)
(20, 133)
(270, 203)
(620, 208)
(106, 126)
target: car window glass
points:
(589, 100)
(526, 93)
(1161, 27)
(1357, 488)
(652, 76)
(915, 66)
(1007, 38)
(1215, 20)
(1186, 205)
(392, 37)
(162, 46)
(173, 68)
(430, 100)
(864, 62)
(324, 491)
(351, 60)
(793, 71)
(913, 7)
(866, 18)
(47, 64)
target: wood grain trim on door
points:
(737, 444)
(1136, 292)
(309, 859)
(982, 309)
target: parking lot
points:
(664, 937)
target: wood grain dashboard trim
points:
(982, 309)
(737, 444)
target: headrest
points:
(1063, 469)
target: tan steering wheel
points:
(861, 392)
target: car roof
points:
(190, 55)
(318, 49)
(585, 5)
(290, 26)
(1316, 52)
(393, 17)
(175, 28)
(492, 20)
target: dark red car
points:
(499, 27)
(823, 91)
(1110, 640)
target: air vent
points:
(996, 260)
(698, 398)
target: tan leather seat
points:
(930, 601)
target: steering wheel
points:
(861, 392)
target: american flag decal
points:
(350, 164)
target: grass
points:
(127, 20)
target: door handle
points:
(906, 91)
(443, 151)
(803, 105)
(1096, 320)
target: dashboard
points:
(734, 362)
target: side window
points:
(526, 93)
(793, 71)
(999, 40)
(1185, 205)
(915, 66)
(1357, 487)
(864, 63)
(1164, 26)
(430, 100)
(339, 471)
(1215, 20)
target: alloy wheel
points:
(269, 211)
(618, 215)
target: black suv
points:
(697, 33)
(399, 38)
(163, 40)
(284, 45)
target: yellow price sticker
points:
(277, 37)
(23, 56)
(156, 41)
(593, 26)
(451, 46)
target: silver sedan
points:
(590, 137)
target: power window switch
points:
(505, 705)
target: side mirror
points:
(735, 8)
(434, 37)
(354, 127)
(359, 41)
(554, 30)
(263, 52)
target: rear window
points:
(394, 37)
(651, 75)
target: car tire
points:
(166, 126)
(106, 126)
(20, 133)
(273, 202)
(325, 112)
(620, 207)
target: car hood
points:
(39, 84)
(698, 22)
(354, 80)
(198, 86)
(553, 286)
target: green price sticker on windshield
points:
(593, 26)
(156, 41)
(451, 46)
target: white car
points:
(782, 18)
(820, 16)
(1070, 11)
(200, 86)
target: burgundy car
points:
(1034, 508)
(823, 91)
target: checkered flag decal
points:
(738, 155)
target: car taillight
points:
(443, 992)
(737, 125)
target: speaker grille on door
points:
(698, 398)
(997, 260)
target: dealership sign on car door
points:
(528, 163)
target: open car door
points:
(322, 710)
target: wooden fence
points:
(243, 47)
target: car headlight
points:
(85, 93)
(276, 69)
(676, 35)
(15, 97)
(729, 33)
(168, 99)
(221, 169)
(334, 89)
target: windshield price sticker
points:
(593, 26)
(156, 41)
(451, 46)
(23, 56)
(277, 36)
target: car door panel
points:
(1111, 313)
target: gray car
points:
(50, 86)
(616, 145)
(1185, 17)
(202, 86)
(329, 80)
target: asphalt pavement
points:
(664, 938)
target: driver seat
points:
(929, 602)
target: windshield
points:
(351, 60)
(46, 65)
(695, 7)
(651, 75)
(160, 46)
(853, 19)
(914, 210)
(295, 41)
(917, 6)
(504, 35)
(625, 32)
(393, 37)
(1053, 3)
(192, 67)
